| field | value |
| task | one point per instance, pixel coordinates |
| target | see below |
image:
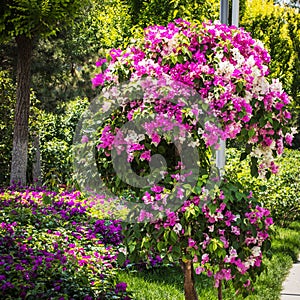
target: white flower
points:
(251, 61)
(294, 130)
(256, 251)
(237, 56)
(211, 228)
(177, 228)
(123, 250)
(200, 131)
(276, 86)
(194, 144)
(106, 106)
(132, 136)
(225, 68)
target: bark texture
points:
(220, 294)
(189, 281)
(36, 166)
(20, 136)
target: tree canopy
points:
(26, 21)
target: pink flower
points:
(157, 189)
(235, 230)
(229, 217)
(224, 241)
(205, 258)
(100, 62)
(172, 218)
(146, 155)
(289, 139)
(241, 266)
(199, 270)
(287, 115)
(144, 215)
(84, 139)
(147, 198)
(269, 221)
(247, 283)
(192, 243)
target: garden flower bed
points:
(51, 247)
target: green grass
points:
(166, 283)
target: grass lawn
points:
(167, 282)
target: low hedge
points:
(280, 193)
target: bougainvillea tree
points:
(224, 93)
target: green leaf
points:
(166, 236)
(131, 248)
(239, 86)
(121, 258)
(173, 237)
(243, 156)
(254, 168)
(251, 132)
(160, 246)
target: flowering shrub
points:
(51, 248)
(222, 232)
(229, 70)
(224, 239)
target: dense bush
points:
(7, 96)
(55, 131)
(280, 193)
(52, 248)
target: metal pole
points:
(235, 12)
(221, 156)
(220, 153)
(224, 11)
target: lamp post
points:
(235, 12)
(224, 14)
(224, 9)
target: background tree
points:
(63, 64)
(7, 96)
(162, 12)
(26, 22)
(278, 27)
(61, 71)
(291, 3)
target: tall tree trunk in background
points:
(189, 281)
(36, 166)
(20, 137)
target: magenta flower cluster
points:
(225, 226)
(227, 68)
(225, 238)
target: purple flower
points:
(2, 277)
(121, 287)
(84, 139)
(57, 288)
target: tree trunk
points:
(189, 281)
(36, 166)
(220, 294)
(20, 137)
